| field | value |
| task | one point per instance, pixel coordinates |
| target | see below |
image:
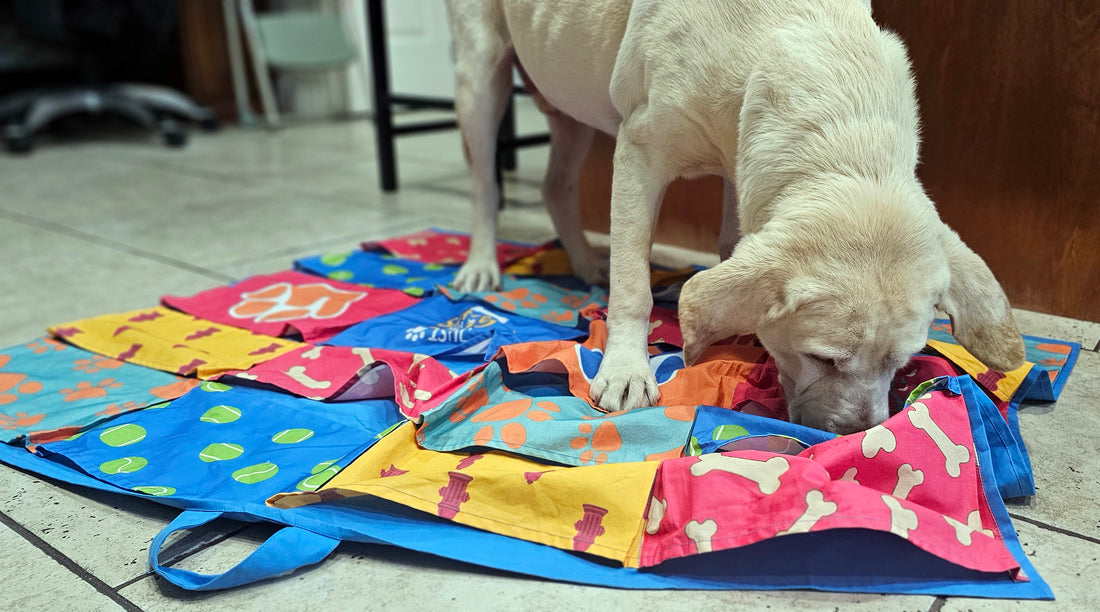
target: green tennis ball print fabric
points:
(233, 444)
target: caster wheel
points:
(17, 140)
(174, 138)
(210, 124)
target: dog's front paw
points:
(478, 276)
(624, 384)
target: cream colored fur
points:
(833, 253)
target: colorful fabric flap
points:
(342, 373)
(592, 509)
(435, 246)
(716, 380)
(166, 340)
(289, 303)
(380, 270)
(230, 444)
(549, 261)
(915, 476)
(538, 299)
(557, 427)
(460, 335)
(50, 389)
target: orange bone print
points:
(287, 302)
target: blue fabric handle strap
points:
(289, 549)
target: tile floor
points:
(110, 223)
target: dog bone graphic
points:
(816, 509)
(313, 353)
(907, 479)
(902, 519)
(656, 513)
(850, 475)
(878, 438)
(954, 454)
(298, 374)
(964, 532)
(701, 534)
(764, 473)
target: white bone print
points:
(964, 532)
(850, 475)
(313, 353)
(902, 519)
(816, 509)
(701, 534)
(908, 478)
(298, 374)
(656, 513)
(878, 438)
(764, 473)
(954, 454)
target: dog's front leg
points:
(730, 233)
(625, 380)
(483, 83)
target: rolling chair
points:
(90, 38)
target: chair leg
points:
(259, 63)
(383, 113)
(166, 100)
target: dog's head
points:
(842, 301)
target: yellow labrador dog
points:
(833, 254)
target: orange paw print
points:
(19, 419)
(86, 390)
(95, 364)
(604, 439)
(511, 300)
(43, 345)
(12, 383)
(113, 409)
(513, 434)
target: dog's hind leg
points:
(730, 232)
(483, 83)
(569, 141)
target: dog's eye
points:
(823, 360)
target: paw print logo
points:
(13, 384)
(513, 433)
(86, 390)
(113, 409)
(95, 364)
(516, 298)
(20, 419)
(44, 345)
(287, 302)
(603, 439)
(416, 334)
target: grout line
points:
(1049, 527)
(938, 604)
(184, 554)
(63, 229)
(1096, 349)
(68, 563)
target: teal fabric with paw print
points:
(379, 270)
(46, 385)
(538, 299)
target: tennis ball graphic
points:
(152, 490)
(221, 451)
(729, 432)
(414, 291)
(335, 259)
(341, 275)
(322, 472)
(221, 414)
(122, 435)
(74, 436)
(212, 386)
(126, 465)
(394, 269)
(256, 473)
(433, 267)
(292, 436)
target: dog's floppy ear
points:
(981, 318)
(731, 298)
